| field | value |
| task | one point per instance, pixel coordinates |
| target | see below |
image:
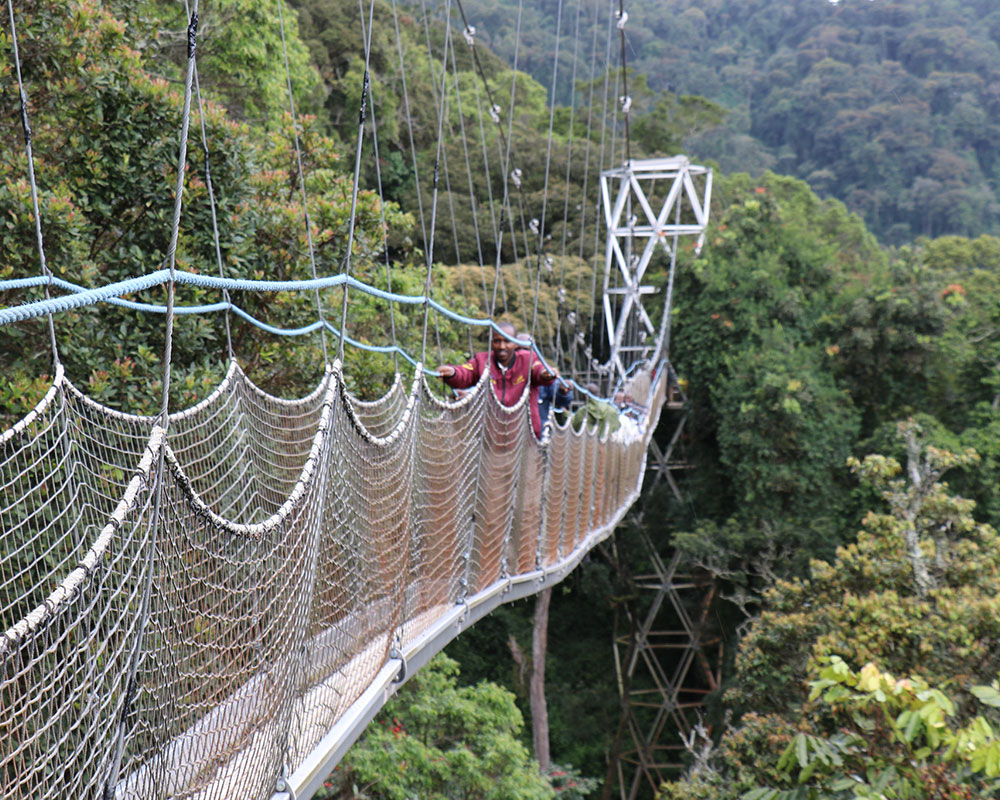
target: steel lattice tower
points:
(668, 662)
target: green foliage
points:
(569, 784)
(241, 60)
(439, 741)
(893, 740)
(916, 593)
(888, 106)
(105, 145)
(784, 427)
(405, 105)
(755, 321)
(581, 693)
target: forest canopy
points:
(844, 312)
(891, 106)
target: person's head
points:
(503, 348)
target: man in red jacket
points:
(511, 370)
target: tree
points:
(241, 56)
(869, 604)
(439, 741)
(105, 145)
(893, 739)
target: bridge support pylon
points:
(672, 656)
(648, 206)
(666, 665)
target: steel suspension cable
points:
(522, 295)
(505, 141)
(626, 101)
(26, 129)
(381, 209)
(385, 237)
(163, 421)
(442, 162)
(584, 204)
(569, 162)
(192, 36)
(458, 252)
(437, 166)
(468, 171)
(211, 201)
(409, 124)
(505, 204)
(548, 165)
(591, 360)
(486, 166)
(302, 184)
(366, 83)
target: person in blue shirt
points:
(556, 393)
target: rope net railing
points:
(295, 546)
(193, 603)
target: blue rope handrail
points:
(112, 293)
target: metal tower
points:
(672, 657)
(680, 192)
(665, 673)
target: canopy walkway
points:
(202, 630)
(214, 602)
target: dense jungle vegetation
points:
(892, 106)
(839, 339)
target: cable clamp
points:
(515, 176)
(626, 101)
(622, 17)
(548, 266)
(401, 675)
(470, 35)
(495, 113)
(192, 35)
(282, 786)
(533, 225)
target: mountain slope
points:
(891, 106)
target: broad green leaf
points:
(801, 753)
(987, 695)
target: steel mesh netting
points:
(72, 572)
(523, 553)
(450, 450)
(576, 485)
(379, 417)
(503, 439)
(360, 576)
(256, 590)
(584, 494)
(555, 482)
(601, 489)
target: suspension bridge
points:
(214, 602)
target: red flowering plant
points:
(567, 782)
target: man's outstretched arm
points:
(460, 376)
(540, 376)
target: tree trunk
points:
(536, 687)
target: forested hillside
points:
(891, 106)
(802, 341)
